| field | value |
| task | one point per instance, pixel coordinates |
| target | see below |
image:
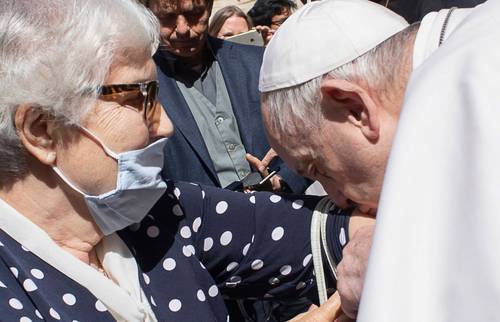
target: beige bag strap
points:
(319, 246)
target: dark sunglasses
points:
(149, 91)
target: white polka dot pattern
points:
(146, 279)
(201, 296)
(245, 249)
(38, 274)
(306, 260)
(169, 245)
(342, 237)
(177, 210)
(231, 266)
(177, 193)
(69, 299)
(153, 232)
(15, 304)
(275, 198)
(297, 204)
(175, 305)
(188, 250)
(274, 281)
(221, 207)
(257, 264)
(285, 270)
(99, 306)
(207, 244)
(277, 233)
(53, 313)
(233, 281)
(14, 271)
(185, 232)
(213, 291)
(196, 224)
(226, 238)
(29, 285)
(169, 264)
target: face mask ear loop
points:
(63, 177)
(105, 148)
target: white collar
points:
(430, 29)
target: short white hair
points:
(291, 110)
(55, 53)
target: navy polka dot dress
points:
(196, 246)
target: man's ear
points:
(357, 104)
(37, 133)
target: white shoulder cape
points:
(436, 250)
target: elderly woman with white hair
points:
(81, 152)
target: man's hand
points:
(266, 33)
(328, 312)
(352, 269)
(261, 166)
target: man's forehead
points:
(170, 6)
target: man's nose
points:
(182, 26)
(339, 198)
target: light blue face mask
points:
(139, 186)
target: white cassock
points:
(436, 251)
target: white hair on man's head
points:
(55, 53)
(291, 110)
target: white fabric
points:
(322, 36)
(315, 189)
(124, 299)
(429, 31)
(435, 255)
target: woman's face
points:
(233, 26)
(118, 123)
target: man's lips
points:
(367, 210)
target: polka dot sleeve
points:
(255, 245)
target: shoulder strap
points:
(319, 246)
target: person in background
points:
(229, 21)
(268, 15)
(209, 89)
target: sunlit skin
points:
(183, 27)
(233, 26)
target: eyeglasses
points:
(147, 92)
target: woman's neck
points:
(62, 214)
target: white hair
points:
(55, 53)
(295, 108)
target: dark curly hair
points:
(263, 11)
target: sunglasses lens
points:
(153, 108)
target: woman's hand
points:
(328, 312)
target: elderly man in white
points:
(332, 102)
